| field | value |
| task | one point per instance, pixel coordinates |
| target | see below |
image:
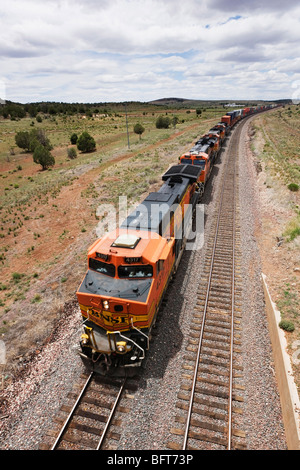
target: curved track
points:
(211, 399)
(211, 396)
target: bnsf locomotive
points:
(130, 268)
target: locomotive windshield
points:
(103, 268)
(99, 284)
(199, 163)
(187, 160)
(135, 271)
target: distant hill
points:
(178, 102)
(164, 101)
(11, 110)
(184, 102)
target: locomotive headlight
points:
(106, 304)
(121, 347)
(84, 339)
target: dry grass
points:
(48, 219)
(277, 146)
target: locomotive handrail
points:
(141, 332)
(131, 340)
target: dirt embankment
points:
(280, 256)
(49, 249)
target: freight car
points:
(129, 269)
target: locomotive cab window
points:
(142, 271)
(199, 163)
(187, 160)
(160, 265)
(101, 267)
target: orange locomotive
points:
(220, 130)
(128, 272)
(203, 154)
(202, 161)
(129, 269)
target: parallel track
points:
(209, 397)
(88, 423)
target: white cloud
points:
(89, 50)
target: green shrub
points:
(42, 156)
(72, 153)
(286, 325)
(22, 140)
(37, 298)
(74, 138)
(17, 277)
(138, 129)
(293, 187)
(163, 122)
(294, 233)
(86, 143)
(29, 140)
(292, 230)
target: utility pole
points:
(127, 125)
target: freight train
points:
(129, 269)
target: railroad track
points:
(92, 415)
(211, 398)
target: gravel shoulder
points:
(33, 400)
(263, 419)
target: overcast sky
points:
(140, 50)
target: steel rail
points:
(232, 314)
(111, 415)
(203, 323)
(66, 423)
(71, 414)
(204, 318)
